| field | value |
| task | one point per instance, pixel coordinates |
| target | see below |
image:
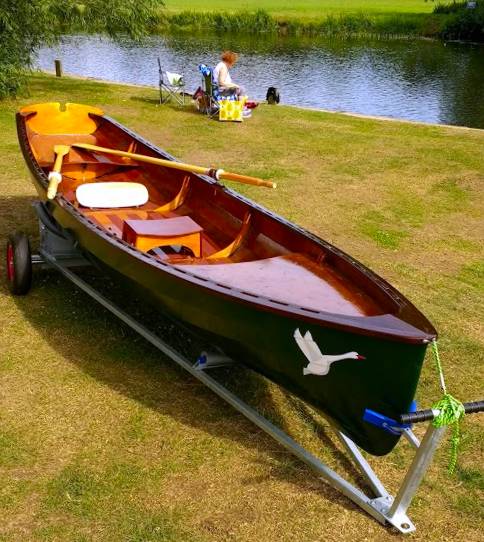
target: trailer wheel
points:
(19, 264)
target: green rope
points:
(450, 410)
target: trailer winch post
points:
(415, 474)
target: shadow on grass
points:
(188, 108)
(133, 367)
(145, 100)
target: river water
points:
(418, 80)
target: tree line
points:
(25, 25)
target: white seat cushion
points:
(111, 195)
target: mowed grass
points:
(102, 439)
(306, 9)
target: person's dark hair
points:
(230, 57)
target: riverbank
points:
(394, 20)
(356, 25)
(297, 107)
(422, 80)
(100, 439)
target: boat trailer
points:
(59, 251)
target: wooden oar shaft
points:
(58, 163)
(177, 165)
(143, 158)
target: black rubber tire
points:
(19, 264)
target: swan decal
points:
(319, 364)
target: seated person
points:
(222, 77)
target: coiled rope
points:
(451, 410)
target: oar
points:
(215, 173)
(55, 176)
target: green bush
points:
(449, 8)
(243, 21)
(442, 23)
(261, 21)
(465, 24)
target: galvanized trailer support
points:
(58, 252)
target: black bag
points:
(273, 96)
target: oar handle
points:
(429, 414)
(55, 177)
(246, 179)
(58, 162)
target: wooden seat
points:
(147, 234)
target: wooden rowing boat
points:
(272, 295)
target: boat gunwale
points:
(362, 325)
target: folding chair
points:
(173, 84)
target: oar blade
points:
(61, 150)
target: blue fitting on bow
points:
(386, 423)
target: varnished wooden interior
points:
(272, 260)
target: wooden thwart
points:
(148, 234)
(178, 200)
(230, 249)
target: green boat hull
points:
(262, 337)
(385, 381)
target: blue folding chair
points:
(210, 96)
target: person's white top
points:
(221, 73)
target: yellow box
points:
(231, 110)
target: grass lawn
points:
(103, 440)
(307, 9)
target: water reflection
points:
(418, 80)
